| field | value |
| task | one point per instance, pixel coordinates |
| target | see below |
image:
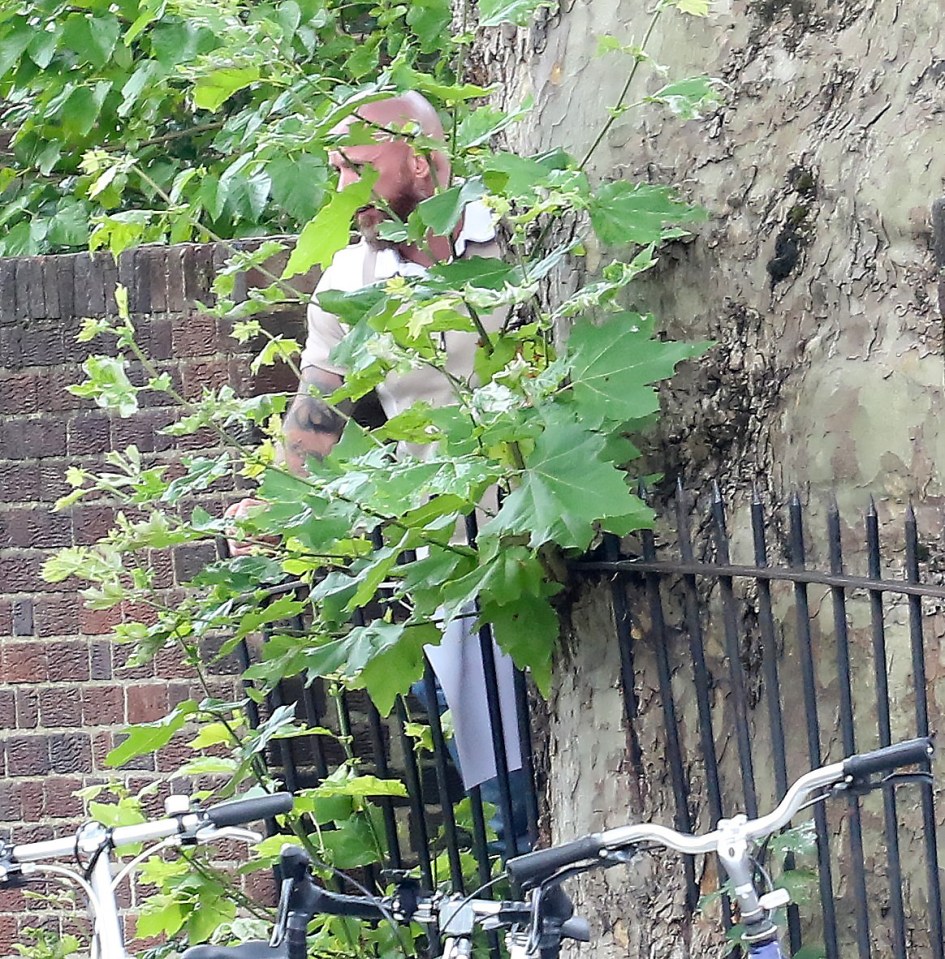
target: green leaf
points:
(384, 658)
(429, 20)
(697, 8)
(494, 12)
(567, 490)
(613, 367)
(360, 786)
(108, 385)
(324, 236)
(352, 844)
(213, 89)
(81, 110)
(528, 631)
(688, 98)
(92, 37)
(442, 211)
(298, 184)
(623, 213)
(145, 738)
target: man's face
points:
(403, 180)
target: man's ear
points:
(421, 166)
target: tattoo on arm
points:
(312, 427)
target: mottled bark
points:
(817, 276)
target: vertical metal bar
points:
(922, 729)
(847, 730)
(276, 700)
(376, 728)
(700, 671)
(769, 665)
(415, 794)
(439, 764)
(824, 876)
(624, 627)
(697, 651)
(683, 820)
(733, 651)
(523, 714)
(891, 821)
(494, 708)
(483, 870)
(313, 718)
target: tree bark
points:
(817, 275)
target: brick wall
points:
(64, 687)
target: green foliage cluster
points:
(178, 119)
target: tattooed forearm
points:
(311, 427)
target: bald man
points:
(405, 177)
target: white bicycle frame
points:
(95, 843)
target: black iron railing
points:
(676, 599)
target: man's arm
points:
(311, 427)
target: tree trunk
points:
(815, 274)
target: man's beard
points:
(370, 219)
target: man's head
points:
(406, 176)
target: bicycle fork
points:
(761, 934)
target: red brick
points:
(57, 614)
(162, 567)
(103, 705)
(23, 662)
(190, 560)
(200, 375)
(18, 393)
(98, 622)
(70, 752)
(120, 656)
(31, 798)
(195, 335)
(169, 664)
(27, 707)
(68, 660)
(91, 522)
(101, 660)
(11, 807)
(7, 708)
(172, 756)
(52, 390)
(27, 756)
(52, 479)
(6, 617)
(60, 706)
(33, 438)
(21, 572)
(36, 527)
(19, 482)
(89, 434)
(58, 799)
(139, 613)
(146, 702)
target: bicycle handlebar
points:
(535, 867)
(907, 753)
(238, 811)
(230, 813)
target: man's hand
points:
(241, 510)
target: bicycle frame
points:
(96, 843)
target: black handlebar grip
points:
(535, 866)
(889, 758)
(249, 810)
(356, 907)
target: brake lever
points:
(211, 833)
